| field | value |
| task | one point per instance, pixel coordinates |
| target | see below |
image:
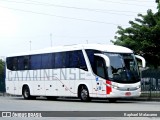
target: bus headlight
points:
(139, 86)
(111, 85)
(115, 87)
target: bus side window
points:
(90, 54)
(53, 61)
(15, 63)
(73, 59)
(91, 57)
(47, 61)
(26, 62)
(20, 63)
(100, 66)
(65, 59)
(76, 60)
(58, 60)
(9, 63)
(82, 62)
(35, 62)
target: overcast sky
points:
(65, 22)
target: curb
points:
(142, 99)
(148, 99)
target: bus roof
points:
(100, 47)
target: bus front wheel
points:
(84, 94)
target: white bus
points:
(85, 71)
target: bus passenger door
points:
(100, 71)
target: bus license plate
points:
(128, 93)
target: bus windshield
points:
(123, 68)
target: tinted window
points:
(26, 63)
(47, 61)
(71, 59)
(66, 59)
(74, 59)
(100, 67)
(9, 63)
(20, 63)
(77, 60)
(58, 60)
(82, 62)
(15, 63)
(36, 62)
(90, 54)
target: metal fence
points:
(150, 83)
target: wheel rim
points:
(84, 94)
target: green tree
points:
(2, 76)
(143, 36)
(1, 68)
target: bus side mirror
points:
(142, 59)
(106, 58)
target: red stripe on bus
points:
(108, 88)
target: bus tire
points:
(84, 94)
(26, 92)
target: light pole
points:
(87, 41)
